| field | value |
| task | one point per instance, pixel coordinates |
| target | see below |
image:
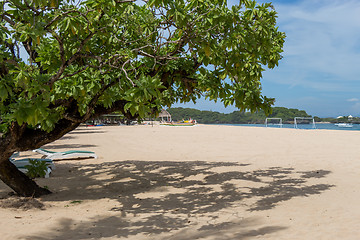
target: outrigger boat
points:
(189, 122)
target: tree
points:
(63, 62)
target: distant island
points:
(286, 114)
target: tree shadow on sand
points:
(155, 198)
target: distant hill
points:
(236, 117)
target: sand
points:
(202, 182)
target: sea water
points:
(329, 126)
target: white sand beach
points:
(201, 182)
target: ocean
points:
(329, 126)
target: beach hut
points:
(164, 115)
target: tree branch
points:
(76, 55)
(5, 16)
(57, 17)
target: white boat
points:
(347, 125)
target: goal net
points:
(269, 122)
(304, 123)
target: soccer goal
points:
(273, 122)
(304, 122)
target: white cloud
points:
(322, 49)
(353, 100)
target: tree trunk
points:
(19, 182)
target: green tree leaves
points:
(145, 97)
(97, 56)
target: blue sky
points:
(320, 71)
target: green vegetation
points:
(237, 117)
(345, 119)
(36, 168)
(88, 58)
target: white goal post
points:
(268, 121)
(298, 120)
